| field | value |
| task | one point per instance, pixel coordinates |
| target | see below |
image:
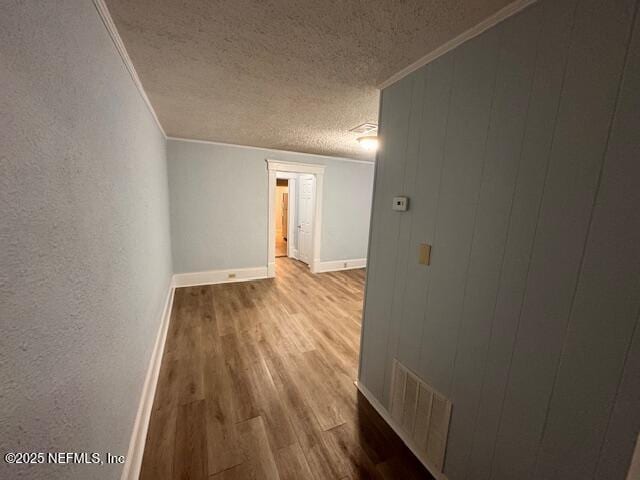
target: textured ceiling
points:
(291, 75)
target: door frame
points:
(274, 166)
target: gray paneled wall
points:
(519, 151)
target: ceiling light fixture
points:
(369, 143)
(365, 128)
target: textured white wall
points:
(84, 237)
(219, 205)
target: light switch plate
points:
(400, 204)
(424, 255)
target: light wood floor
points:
(257, 383)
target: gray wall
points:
(219, 205)
(520, 152)
(84, 238)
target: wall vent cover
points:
(365, 128)
(421, 413)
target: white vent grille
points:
(421, 413)
(365, 128)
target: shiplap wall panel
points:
(588, 100)
(620, 191)
(466, 137)
(506, 130)
(385, 224)
(424, 203)
(404, 252)
(551, 56)
(606, 303)
(523, 283)
(624, 425)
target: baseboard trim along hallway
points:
(131, 470)
(212, 277)
(337, 265)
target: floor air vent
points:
(422, 413)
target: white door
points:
(305, 218)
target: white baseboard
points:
(211, 277)
(335, 265)
(634, 469)
(131, 470)
(386, 416)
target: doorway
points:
(304, 212)
(282, 216)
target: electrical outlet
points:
(232, 275)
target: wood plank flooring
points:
(256, 382)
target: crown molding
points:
(500, 16)
(105, 16)
(273, 150)
(295, 167)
